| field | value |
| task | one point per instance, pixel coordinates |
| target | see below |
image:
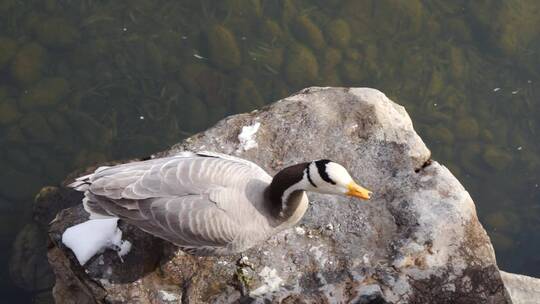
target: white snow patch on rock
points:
(246, 136)
(167, 296)
(94, 236)
(271, 281)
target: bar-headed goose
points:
(210, 203)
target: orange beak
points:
(358, 191)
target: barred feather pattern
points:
(205, 203)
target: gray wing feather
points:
(192, 200)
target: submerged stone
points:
(28, 63)
(8, 111)
(223, 49)
(247, 97)
(308, 32)
(497, 158)
(467, 128)
(301, 67)
(56, 32)
(46, 93)
(338, 33)
(8, 47)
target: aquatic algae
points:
(270, 58)
(503, 221)
(46, 93)
(308, 32)
(501, 242)
(302, 68)
(331, 58)
(189, 76)
(28, 63)
(8, 48)
(8, 111)
(467, 128)
(271, 31)
(223, 48)
(516, 25)
(193, 114)
(496, 158)
(338, 33)
(56, 32)
(289, 10)
(457, 63)
(247, 97)
(441, 134)
(353, 72)
(36, 128)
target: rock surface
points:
(417, 241)
(522, 289)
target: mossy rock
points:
(497, 158)
(28, 63)
(189, 76)
(352, 72)
(501, 242)
(46, 93)
(302, 68)
(288, 10)
(467, 128)
(457, 63)
(247, 97)
(223, 48)
(338, 33)
(193, 114)
(503, 221)
(36, 128)
(270, 58)
(56, 32)
(436, 83)
(8, 47)
(308, 32)
(8, 111)
(441, 134)
(85, 158)
(17, 185)
(331, 58)
(271, 31)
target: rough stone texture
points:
(417, 241)
(522, 289)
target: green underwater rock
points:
(302, 68)
(308, 32)
(467, 128)
(497, 158)
(8, 47)
(28, 63)
(338, 33)
(36, 128)
(247, 97)
(331, 58)
(46, 93)
(223, 48)
(271, 31)
(56, 32)
(8, 111)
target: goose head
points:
(328, 177)
(322, 176)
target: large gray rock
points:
(417, 241)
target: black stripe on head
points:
(321, 167)
(309, 177)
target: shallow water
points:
(86, 81)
